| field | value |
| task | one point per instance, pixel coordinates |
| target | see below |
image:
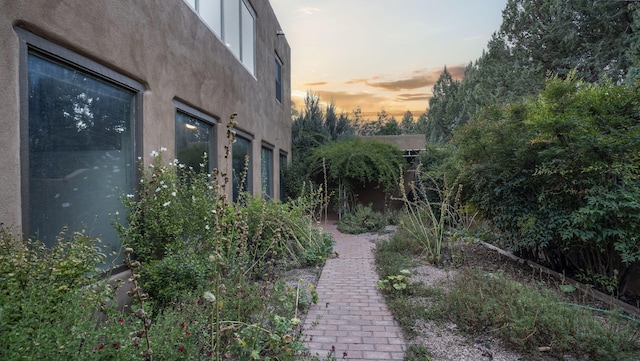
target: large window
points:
(195, 139)
(266, 168)
(234, 22)
(241, 164)
(278, 79)
(79, 143)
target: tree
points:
(354, 162)
(391, 127)
(558, 36)
(408, 124)
(559, 176)
(443, 108)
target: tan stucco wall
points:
(166, 47)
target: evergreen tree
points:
(408, 124)
(444, 108)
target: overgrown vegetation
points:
(525, 317)
(528, 317)
(364, 219)
(206, 278)
(559, 176)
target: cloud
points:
(457, 71)
(318, 83)
(412, 97)
(308, 10)
(418, 79)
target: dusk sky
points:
(382, 54)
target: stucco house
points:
(88, 89)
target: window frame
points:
(282, 167)
(239, 134)
(32, 43)
(268, 188)
(205, 118)
(247, 60)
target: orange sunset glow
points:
(379, 54)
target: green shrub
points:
(361, 220)
(47, 309)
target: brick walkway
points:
(351, 316)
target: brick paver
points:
(351, 318)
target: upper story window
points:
(234, 22)
(278, 79)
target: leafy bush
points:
(349, 163)
(46, 308)
(559, 176)
(361, 220)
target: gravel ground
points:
(444, 341)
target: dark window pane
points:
(194, 142)
(267, 172)
(80, 151)
(278, 80)
(241, 170)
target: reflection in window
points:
(81, 143)
(267, 172)
(241, 164)
(194, 142)
(234, 22)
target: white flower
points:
(209, 297)
(201, 165)
(175, 161)
(206, 227)
(130, 196)
(173, 194)
(213, 211)
(139, 158)
(181, 166)
(193, 198)
(166, 203)
(163, 149)
(158, 189)
(154, 153)
(210, 187)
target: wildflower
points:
(345, 354)
(116, 345)
(130, 196)
(182, 325)
(158, 189)
(213, 211)
(187, 333)
(181, 349)
(154, 153)
(209, 297)
(173, 194)
(101, 347)
(206, 227)
(163, 149)
(121, 320)
(139, 158)
(166, 203)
